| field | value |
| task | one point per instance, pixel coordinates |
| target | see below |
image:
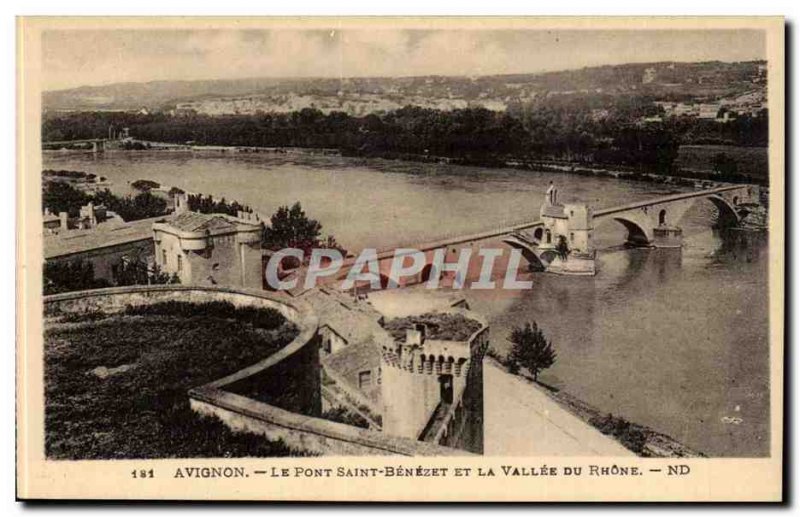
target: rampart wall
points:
(286, 383)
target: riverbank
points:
(639, 439)
(524, 422)
(683, 177)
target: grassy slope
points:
(144, 412)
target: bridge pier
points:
(576, 264)
(667, 237)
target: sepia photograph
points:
(346, 249)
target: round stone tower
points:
(427, 384)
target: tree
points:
(208, 205)
(530, 349)
(75, 275)
(136, 272)
(62, 197)
(724, 164)
(141, 206)
(145, 185)
(292, 228)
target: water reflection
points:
(740, 245)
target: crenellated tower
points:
(432, 389)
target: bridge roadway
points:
(508, 230)
(98, 144)
(666, 199)
(67, 142)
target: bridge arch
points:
(547, 257)
(529, 252)
(426, 273)
(728, 216)
(638, 234)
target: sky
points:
(96, 57)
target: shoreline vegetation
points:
(642, 440)
(635, 135)
(682, 177)
(67, 191)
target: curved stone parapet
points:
(222, 398)
(114, 299)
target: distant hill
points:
(665, 80)
(149, 95)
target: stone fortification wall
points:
(286, 383)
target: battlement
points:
(433, 359)
(432, 362)
(419, 354)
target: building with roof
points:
(344, 319)
(89, 216)
(432, 381)
(210, 249)
(426, 385)
(103, 246)
(202, 249)
(53, 222)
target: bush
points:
(497, 356)
(75, 275)
(141, 206)
(451, 327)
(267, 319)
(145, 185)
(80, 317)
(136, 272)
(630, 435)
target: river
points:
(673, 339)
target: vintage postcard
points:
(400, 259)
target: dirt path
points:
(520, 420)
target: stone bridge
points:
(562, 241)
(650, 223)
(98, 144)
(655, 222)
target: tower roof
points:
(194, 221)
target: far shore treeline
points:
(562, 129)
